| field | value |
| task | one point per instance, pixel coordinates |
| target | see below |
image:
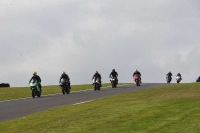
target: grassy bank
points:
(167, 109)
(22, 92)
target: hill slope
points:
(173, 108)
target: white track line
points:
(83, 102)
(87, 101)
(56, 94)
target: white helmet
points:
(34, 73)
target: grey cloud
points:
(81, 37)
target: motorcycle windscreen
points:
(96, 80)
(33, 82)
(64, 80)
(136, 76)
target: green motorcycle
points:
(34, 85)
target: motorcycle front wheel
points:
(95, 87)
(67, 90)
(33, 93)
(63, 90)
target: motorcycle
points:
(64, 85)
(169, 78)
(178, 79)
(113, 81)
(96, 83)
(34, 85)
(198, 79)
(137, 79)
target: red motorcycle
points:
(137, 79)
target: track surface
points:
(22, 107)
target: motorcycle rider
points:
(169, 74)
(36, 77)
(137, 73)
(65, 77)
(179, 75)
(198, 79)
(114, 74)
(97, 75)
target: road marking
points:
(83, 102)
(56, 94)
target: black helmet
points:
(113, 70)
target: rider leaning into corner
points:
(97, 75)
(137, 73)
(114, 74)
(65, 77)
(179, 74)
(36, 77)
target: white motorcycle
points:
(178, 79)
(96, 83)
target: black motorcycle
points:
(113, 81)
(169, 78)
(65, 86)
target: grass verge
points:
(22, 92)
(169, 109)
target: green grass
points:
(169, 109)
(22, 92)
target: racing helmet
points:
(34, 73)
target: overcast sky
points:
(82, 36)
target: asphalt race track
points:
(22, 107)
